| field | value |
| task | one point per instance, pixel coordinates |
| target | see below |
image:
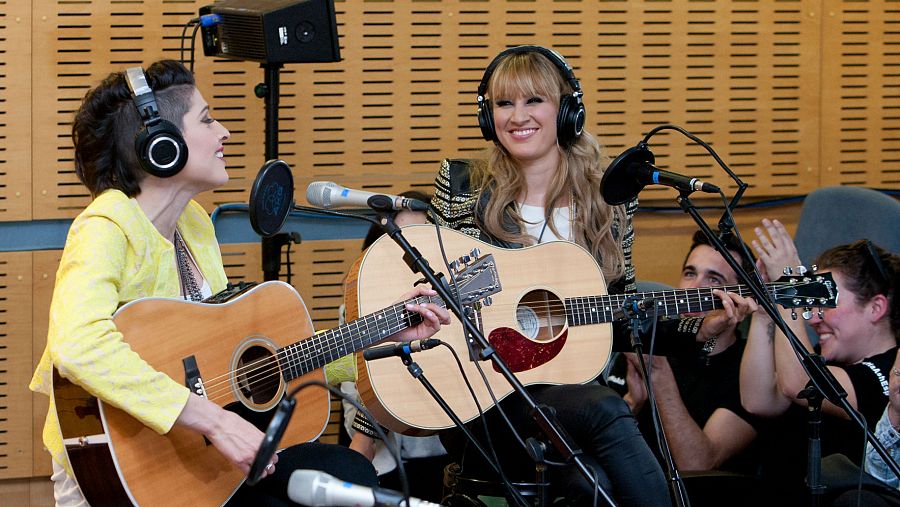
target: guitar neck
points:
(586, 310)
(320, 349)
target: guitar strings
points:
(261, 372)
(268, 369)
(670, 299)
(267, 372)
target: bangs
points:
(525, 75)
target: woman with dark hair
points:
(539, 182)
(145, 146)
(857, 340)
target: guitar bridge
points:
(192, 378)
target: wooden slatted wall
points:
(861, 94)
(15, 110)
(750, 77)
(16, 435)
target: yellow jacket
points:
(114, 255)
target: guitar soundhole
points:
(541, 315)
(258, 378)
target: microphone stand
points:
(822, 381)
(417, 373)
(546, 422)
(270, 90)
(676, 483)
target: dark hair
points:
(376, 231)
(864, 276)
(731, 242)
(107, 121)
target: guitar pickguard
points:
(522, 354)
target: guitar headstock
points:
(805, 291)
(476, 278)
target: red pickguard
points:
(522, 354)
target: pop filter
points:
(271, 198)
(620, 182)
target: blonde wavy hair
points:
(578, 175)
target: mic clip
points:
(399, 349)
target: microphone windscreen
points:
(621, 182)
(318, 193)
(304, 489)
(271, 198)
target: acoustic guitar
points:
(240, 353)
(550, 323)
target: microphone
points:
(328, 194)
(633, 306)
(627, 175)
(318, 489)
(641, 305)
(271, 198)
(399, 349)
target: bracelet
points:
(363, 425)
(710, 344)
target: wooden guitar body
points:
(551, 353)
(181, 467)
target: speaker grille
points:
(242, 36)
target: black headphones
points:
(569, 122)
(159, 145)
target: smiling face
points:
(524, 91)
(526, 126)
(844, 330)
(205, 139)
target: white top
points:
(534, 223)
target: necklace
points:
(572, 209)
(189, 286)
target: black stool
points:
(464, 491)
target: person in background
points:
(857, 339)
(697, 393)
(144, 235)
(887, 431)
(539, 182)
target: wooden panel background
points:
(861, 94)
(749, 77)
(16, 437)
(15, 110)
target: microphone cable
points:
(191, 22)
(516, 495)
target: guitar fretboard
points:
(318, 350)
(585, 310)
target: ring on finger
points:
(270, 467)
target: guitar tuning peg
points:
(475, 253)
(793, 315)
(454, 266)
(807, 314)
(801, 270)
(815, 267)
(788, 270)
(488, 301)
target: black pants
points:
(335, 460)
(601, 424)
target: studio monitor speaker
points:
(272, 31)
